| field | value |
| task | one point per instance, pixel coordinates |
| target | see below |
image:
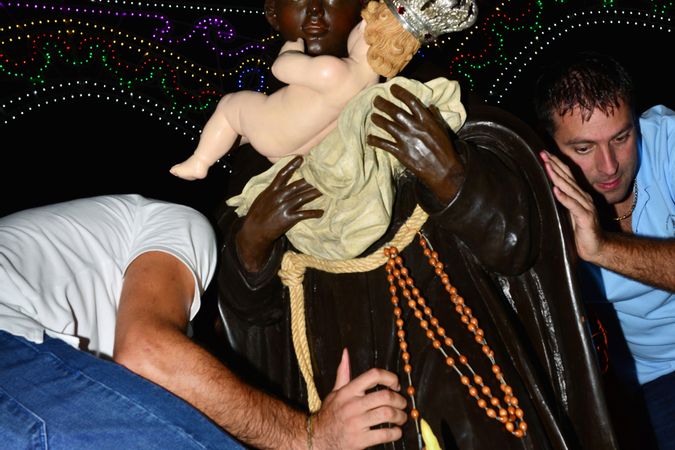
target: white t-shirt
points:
(62, 265)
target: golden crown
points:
(428, 19)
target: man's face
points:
(604, 148)
(324, 25)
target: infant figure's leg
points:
(216, 139)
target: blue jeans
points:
(54, 396)
(659, 398)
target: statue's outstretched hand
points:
(351, 415)
(273, 213)
(423, 142)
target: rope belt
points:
(292, 272)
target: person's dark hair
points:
(587, 80)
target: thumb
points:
(343, 371)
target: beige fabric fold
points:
(356, 180)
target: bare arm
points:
(150, 340)
(318, 73)
(647, 260)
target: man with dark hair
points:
(618, 183)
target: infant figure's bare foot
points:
(193, 168)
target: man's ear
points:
(271, 15)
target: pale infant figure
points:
(291, 120)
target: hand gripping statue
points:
(297, 117)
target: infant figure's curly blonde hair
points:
(391, 46)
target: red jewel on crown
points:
(400, 10)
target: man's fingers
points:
(343, 371)
(375, 377)
(384, 406)
(383, 435)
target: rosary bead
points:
(398, 276)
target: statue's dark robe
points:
(503, 242)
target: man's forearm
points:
(249, 414)
(648, 260)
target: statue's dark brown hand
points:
(422, 143)
(272, 214)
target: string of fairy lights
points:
(519, 61)
(138, 47)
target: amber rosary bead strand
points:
(399, 277)
(405, 356)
